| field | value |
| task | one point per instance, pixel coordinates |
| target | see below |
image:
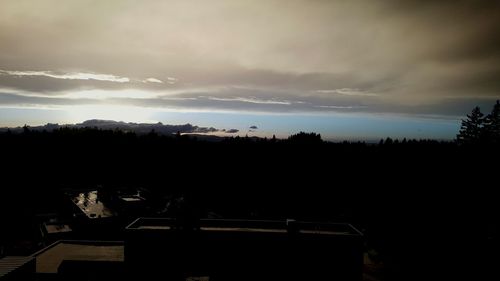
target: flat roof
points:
(49, 259)
(250, 226)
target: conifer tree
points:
(492, 124)
(471, 131)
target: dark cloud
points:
(232, 131)
(253, 127)
(412, 56)
(239, 79)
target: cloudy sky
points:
(346, 69)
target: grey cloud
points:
(204, 103)
(239, 79)
(253, 127)
(232, 131)
(218, 99)
(450, 106)
(7, 99)
(351, 56)
(50, 86)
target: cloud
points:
(252, 100)
(109, 94)
(172, 80)
(52, 83)
(347, 92)
(16, 100)
(51, 87)
(339, 107)
(232, 131)
(153, 80)
(70, 75)
(148, 104)
(205, 130)
(253, 127)
(312, 56)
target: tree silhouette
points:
(471, 131)
(492, 125)
(305, 138)
(26, 129)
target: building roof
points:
(49, 259)
(263, 226)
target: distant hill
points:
(138, 128)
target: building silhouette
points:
(208, 249)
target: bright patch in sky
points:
(80, 113)
(109, 94)
(153, 80)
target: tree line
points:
(479, 128)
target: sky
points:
(348, 69)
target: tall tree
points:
(471, 130)
(492, 124)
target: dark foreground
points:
(428, 210)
